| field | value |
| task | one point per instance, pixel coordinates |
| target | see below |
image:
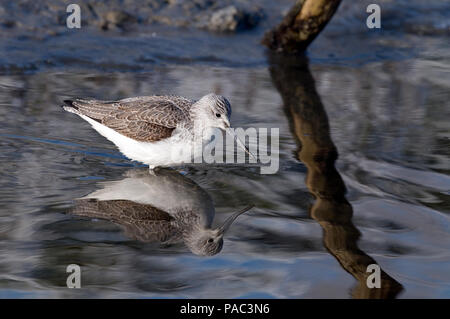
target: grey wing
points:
(146, 119)
(141, 222)
(182, 102)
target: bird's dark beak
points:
(226, 225)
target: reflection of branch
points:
(301, 25)
(309, 124)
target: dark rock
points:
(117, 19)
(8, 24)
(232, 19)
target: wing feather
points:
(141, 222)
(146, 119)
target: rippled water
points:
(318, 223)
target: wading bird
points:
(157, 130)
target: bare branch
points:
(302, 24)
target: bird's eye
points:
(218, 115)
(210, 240)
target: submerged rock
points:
(231, 19)
(117, 19)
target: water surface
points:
(318, 222)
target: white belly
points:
(174, 150)
(168, 191)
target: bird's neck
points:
(201, 127)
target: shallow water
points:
(314, 229)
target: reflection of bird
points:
(167, 208)
(156, 130)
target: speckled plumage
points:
(155, 130)
(140, 222)
(145, 119)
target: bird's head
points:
(208, 242)
(214, 111)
